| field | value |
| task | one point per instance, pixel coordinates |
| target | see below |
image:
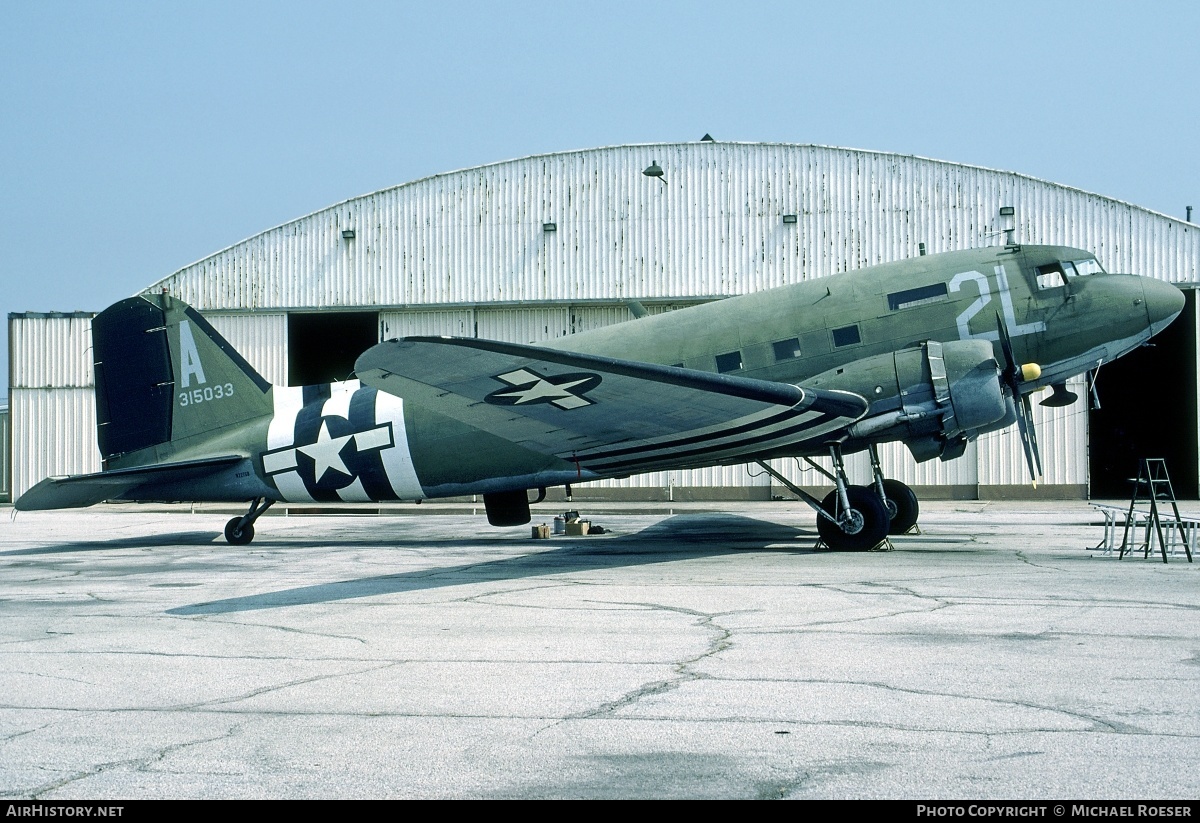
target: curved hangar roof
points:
(723, 218)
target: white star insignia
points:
(326, 453)
(545, 390)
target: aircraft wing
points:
(603, 414)
(82, 490)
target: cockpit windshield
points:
(1056, 275)
(1088, 266)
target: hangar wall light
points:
(347, 234)
(1008, 212)
(789, 218)
(655, 170)
(549, 227)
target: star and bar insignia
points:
(525, 387)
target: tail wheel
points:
(902, 504)
(863, 527)
(238, 536)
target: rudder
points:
(164, 375)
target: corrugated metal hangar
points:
(546, 246)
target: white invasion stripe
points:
(759, 417)
(728, 454)
(665, 446)
(354, 493)
(288, 402)
(340, 394)
(397, 461)
(292, 488)
(721, 453)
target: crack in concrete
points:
(1097, 722)
(1011, 756)
(1024, 558)
(939, 604)
(1100, 728)
(137, 763)
(965, 600)
(287, 629)
(473, 598)
(203, 705)
(216, 657)
(872, 617)
(719, 643)
(55, 676)
(34, 730)
(277, 687)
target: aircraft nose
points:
(1164, 302)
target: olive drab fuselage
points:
(916, 344)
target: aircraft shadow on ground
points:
(676, 538)
(147, 541)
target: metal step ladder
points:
(1151, 485)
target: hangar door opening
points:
(1148, 409)
(322, 346)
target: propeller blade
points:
(1011, 369)
(1012, 377)
(1033, 456)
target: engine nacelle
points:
(936, 397)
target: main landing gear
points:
(240, 530)
(857, 518)
(899, 499)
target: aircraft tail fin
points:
(166, 377)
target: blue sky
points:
(138, 137)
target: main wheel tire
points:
(904, 500)
(868, 521)
(236, 536)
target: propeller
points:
(1013, 376)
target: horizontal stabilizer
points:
(88, 489)
(607, 415)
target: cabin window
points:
(846, 336)
(731, 361)
(786, 349)
(1052, 276)
(917, 297)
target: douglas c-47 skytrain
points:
(932, 351)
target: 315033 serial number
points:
(206, 394)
